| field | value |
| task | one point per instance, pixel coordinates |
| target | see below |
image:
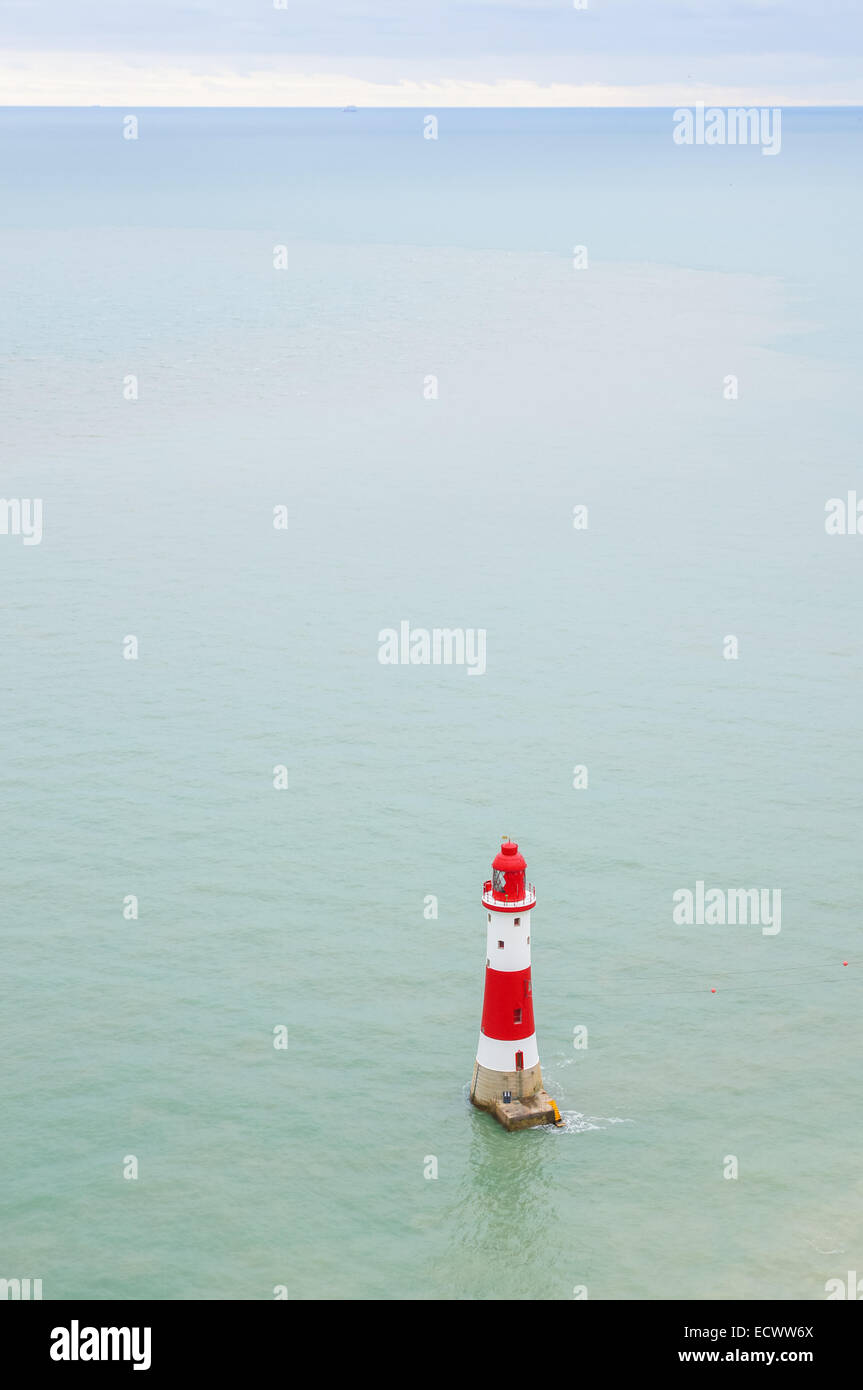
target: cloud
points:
(84, 79)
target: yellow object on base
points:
(557, 1119)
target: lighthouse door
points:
(519, 1061)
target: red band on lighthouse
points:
(507, 1010)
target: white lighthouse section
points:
(513, 929)
(500, 1056)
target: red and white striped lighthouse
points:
(507, 1079)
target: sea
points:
(281, 381)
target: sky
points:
(430, 52)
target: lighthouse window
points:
(518, 921)
(489, 916)
(528, 941)
(500, 945)
(516, 1015)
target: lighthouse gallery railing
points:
(528, 901)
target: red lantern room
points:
(507, 880)
(507, 888)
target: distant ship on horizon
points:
(349, 108)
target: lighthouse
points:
(507, 1079)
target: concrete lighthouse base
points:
(529, 1104)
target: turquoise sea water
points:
(258, 647)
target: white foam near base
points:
(574, 1122)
